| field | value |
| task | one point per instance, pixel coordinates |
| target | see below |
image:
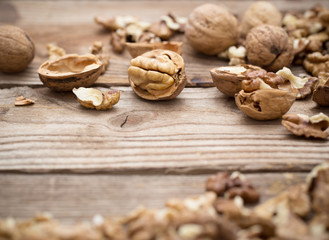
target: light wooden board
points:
(79, 197)
(201, 130)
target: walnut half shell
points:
(228, 78)
(70, 71)
(265, 104)
(157, 75)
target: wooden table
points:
(59, 157)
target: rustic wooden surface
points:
(57, 156)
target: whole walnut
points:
(269, 47)
(211, 29)
(16, 49)
(259, 13)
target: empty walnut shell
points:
(136, 49)
(265, 104)
(70, 71)
(228, 78)
(157, 75)
(269, 47)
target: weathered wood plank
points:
(71, 197)
(70, 25)
(200, 131)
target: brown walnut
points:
(16, 49)
(259, 13)
(157, 75)
(211, 29)
(269, 47)
(70, 71)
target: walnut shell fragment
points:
(95, 99)
(302, 125)
(22, 101)
(269, 47)
(321, 92)
(211, 29)
(228, 78)
(265, 104)
(70, 71)
(157, 75)
(136, 49)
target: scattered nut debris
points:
(300, 212)
(302, 125)
(157, 75)
(95, 99)
(22, 101)
(316, 63)
(54, 51)
(97, 50)
(230, 186)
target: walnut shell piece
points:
(211, 29)
(269, 47)
(265, 104)
(16, 49)
(22, 101)
(302, 125)
(70, 71)
(228, 79)
(157, 75)
(136, 49)
(95, 99)
(321, 92)
(259, 13)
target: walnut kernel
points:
(302, 125)
(22, 101)
(157, 75)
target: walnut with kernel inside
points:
(263, 102)
(302, 125)
(95, 99)
(232, 185)
(157, 75)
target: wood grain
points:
(71, 197)
(200, 131)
